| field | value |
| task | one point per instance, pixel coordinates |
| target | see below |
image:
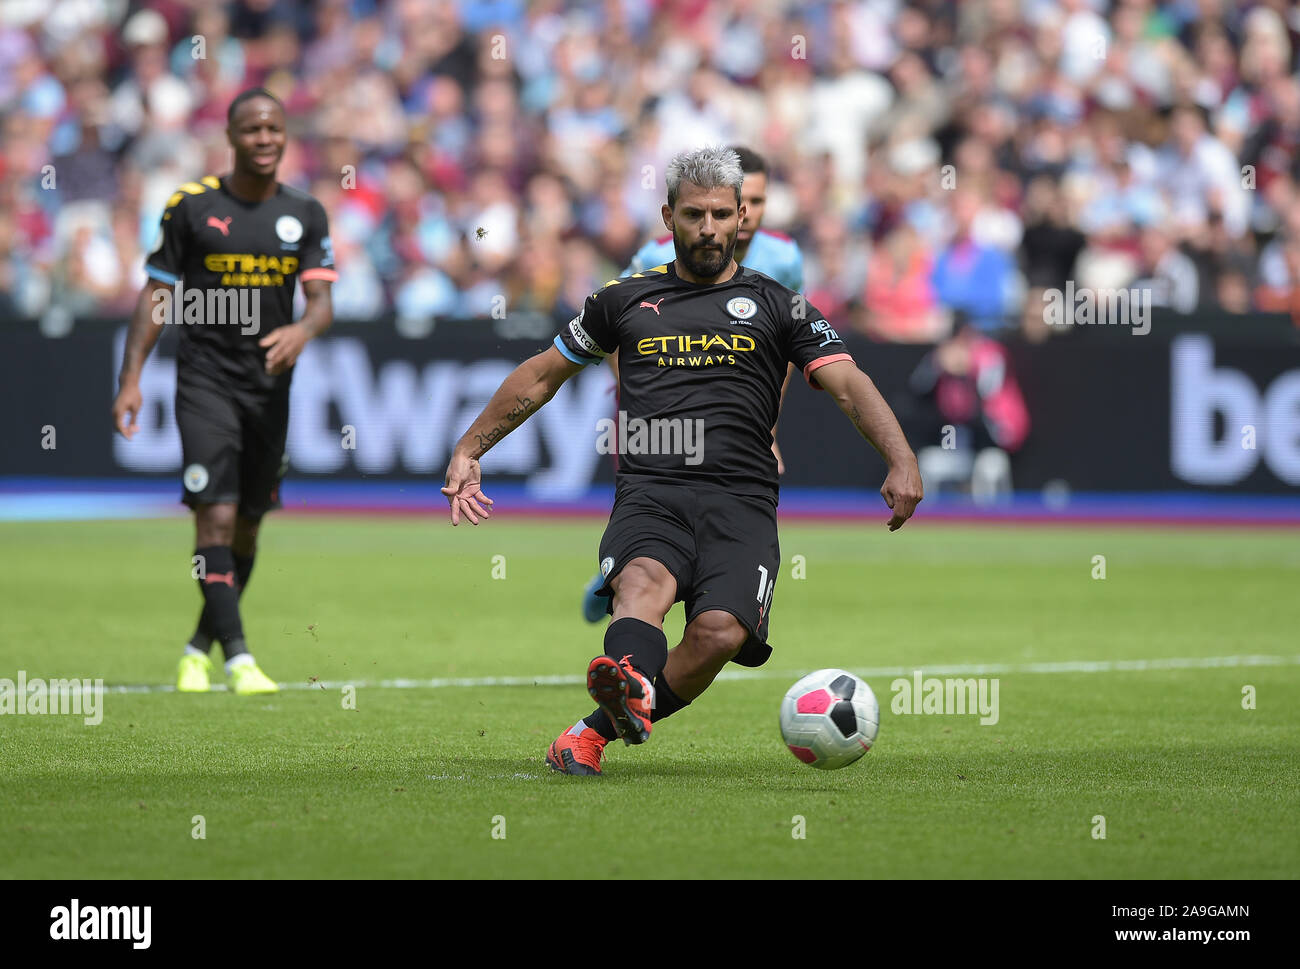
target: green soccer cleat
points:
(193, 674)
(247, 679)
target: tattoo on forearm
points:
(526, 407)
(485, 441)
(856, 418)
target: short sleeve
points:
(590, 336)
(813, 341)
(166, 263)
(317, 249)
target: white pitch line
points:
(867, 673)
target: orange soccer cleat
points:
(625, 695)
(577, 751)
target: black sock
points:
(600, 723)
(666, 701)
(243, 569)
(644, 644)
(666, 704)
(205, 634)
(221, 597)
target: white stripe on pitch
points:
(867, 673)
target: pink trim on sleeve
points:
(821, 362)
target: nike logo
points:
(653, 306)
(221, 225)
(226, 577)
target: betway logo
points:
(1256, 425)
(407, 417)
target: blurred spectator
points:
(982, 413)
(835, 269)
(1200, 175)
(900, 300)
(970, 276)
(1168, 274)
(1050, 244)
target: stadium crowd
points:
(933, 159)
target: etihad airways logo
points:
(710, 343)
(705, 350)
(246, 269)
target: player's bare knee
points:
(214, 525)
(716, 635)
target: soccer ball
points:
(829, 719)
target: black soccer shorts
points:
(720, 547)
(233, 443)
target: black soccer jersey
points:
(700, 372)
(237, 261)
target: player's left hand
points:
(902, 491)
(780, 462)
(464, 490)
(285, 343)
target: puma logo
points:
(222, 225)
(226, 577)
(653, 306)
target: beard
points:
(704, 263)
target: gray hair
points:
(706, 167)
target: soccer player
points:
(769, 252)
(232, 249)
(705, 343)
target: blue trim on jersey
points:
(153, 272)
(559, 345)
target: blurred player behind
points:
(243, 240)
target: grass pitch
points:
(415, 781)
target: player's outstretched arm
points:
(857, 396)
(531, 385)
(146, 326)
